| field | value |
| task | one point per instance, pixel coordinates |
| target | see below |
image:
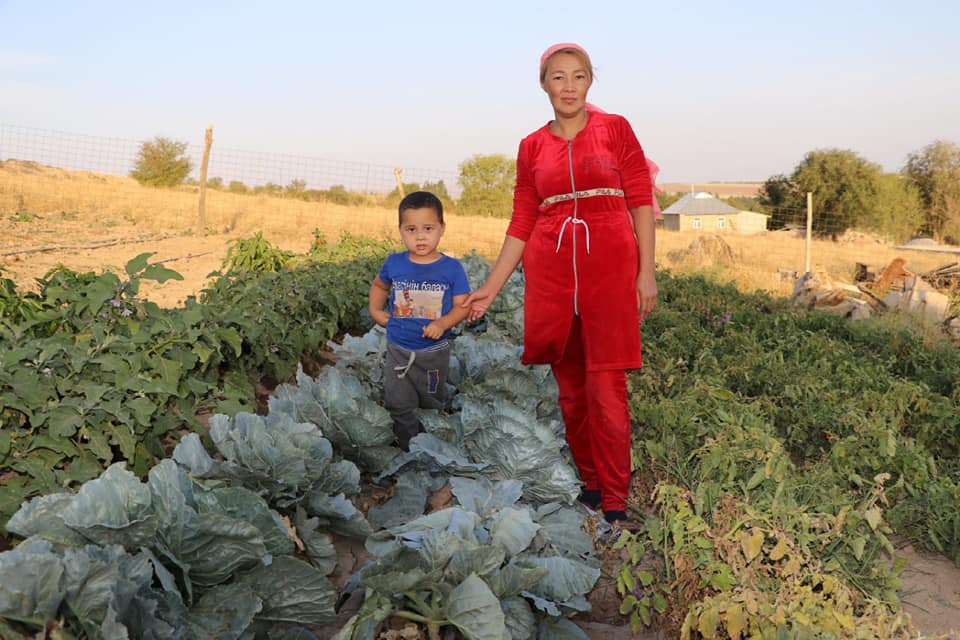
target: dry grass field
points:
(51, 216)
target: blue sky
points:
(715, 91)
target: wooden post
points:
(806, 268)
(208, 142)
(396, 174)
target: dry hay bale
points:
(707, 248)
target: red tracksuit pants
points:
(597, 419)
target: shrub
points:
(162, 162)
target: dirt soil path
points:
(931, 584)
(193, 257)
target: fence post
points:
(806, 267)
(208, 141)
(396, 174)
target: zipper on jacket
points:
(573, 188)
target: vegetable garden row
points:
(779, 454)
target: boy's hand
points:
(381, 317)
(433, 330)
(478, 302)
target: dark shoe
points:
(619, 520)
(590, 498)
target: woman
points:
(583, 223)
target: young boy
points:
(425, 290)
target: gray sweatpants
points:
(409, 384)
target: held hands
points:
(478, 302)
(646, 293)
(433, 330)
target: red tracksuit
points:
(571, 207)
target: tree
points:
(270, 189)
(665, 199)
(408, 187)
(296, 189)
(935, 170)
(161, 162)
(236, 186)
(778, 191)
(745, 203)
(844, 188)
(439, 189)
(487, 182)
(898, 212)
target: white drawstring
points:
(575, 221)
(402, 369)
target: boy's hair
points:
(421, 200)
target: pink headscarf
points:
(559, 47)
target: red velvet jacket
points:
(571, 207)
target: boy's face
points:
(421, 231)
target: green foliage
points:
(392, 199)
(281, 315)
(935, 170)
(221, 553)
(667, 199)
(779, 192)
(161, 162)
(439, 189)
(644, 593)
(92, 374)
(487, 182)
(931, 519)
(215, 183)
(337, 194)
(254, 254)
(844, 188)
(742, 203)
(270, 189)
(790, 445)
(22, 216)
(236, 186)
(847, 193)
(296, 189)
(898, 213)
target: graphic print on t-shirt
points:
(418, 300)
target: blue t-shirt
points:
(420, 294)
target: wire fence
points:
(60, 188)
(117, 156)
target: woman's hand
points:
(479, 301)
(646, 293)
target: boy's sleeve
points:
(461, 284)
(384, 274)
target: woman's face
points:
(566, 82)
